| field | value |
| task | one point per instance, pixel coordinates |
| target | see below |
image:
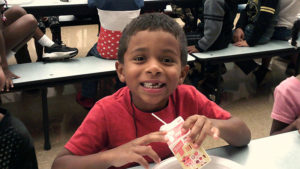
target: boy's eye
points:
(139, 58)
(167, 60)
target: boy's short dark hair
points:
(153, 22)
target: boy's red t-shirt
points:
(112, 121)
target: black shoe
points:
(260, 74)
(213, 69)
(59, 52)
(290, 69)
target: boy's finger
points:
(200, 138)
(215, 132)
(188, 123)
(148, 151)
(141, 160)
(196, 130)
(153, 137)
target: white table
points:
(274, 152)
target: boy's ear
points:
(183, 74)
(120, 71)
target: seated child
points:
(215, 29)
(255, 26)
(289, 12)
(16, 145)
(286, 108)
(113, 17)
(214, 32)
(16, 28)
(120, 130)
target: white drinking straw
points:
(158, 118)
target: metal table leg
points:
(218, 89)
(298, 64)
(47, 145)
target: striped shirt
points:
(262, 14)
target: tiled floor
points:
(241, 97)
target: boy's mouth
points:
(152, 85)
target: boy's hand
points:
(238, 35)
(135, 150)
(200, 127)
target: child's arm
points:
(127, 153)
(213, 22)
(264, 21)
(243, 19)
(279, 127)
(3, 57)
(6, 75)
(233, 130)
(284, 112)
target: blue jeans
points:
(89, 88)
(250, 65)
(282, 33)
(249, 30)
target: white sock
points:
(10, 54)
(45, 41)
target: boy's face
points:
(152, 69)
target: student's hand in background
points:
(192, 49)
(8, 79)
(200, 127)
(135, 150)
(242, 43)
(2, 78)
(238, 35)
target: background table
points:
(233, 54)
(80, 7)
(42, 75)
(39, 75)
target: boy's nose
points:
(153, 67)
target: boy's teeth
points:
(152, 85)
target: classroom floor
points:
(241, 97)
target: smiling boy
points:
(120, 130)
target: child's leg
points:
(22, 55)
(39, 48)
(19, 28)
(55, 29)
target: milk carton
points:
(186, 154)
